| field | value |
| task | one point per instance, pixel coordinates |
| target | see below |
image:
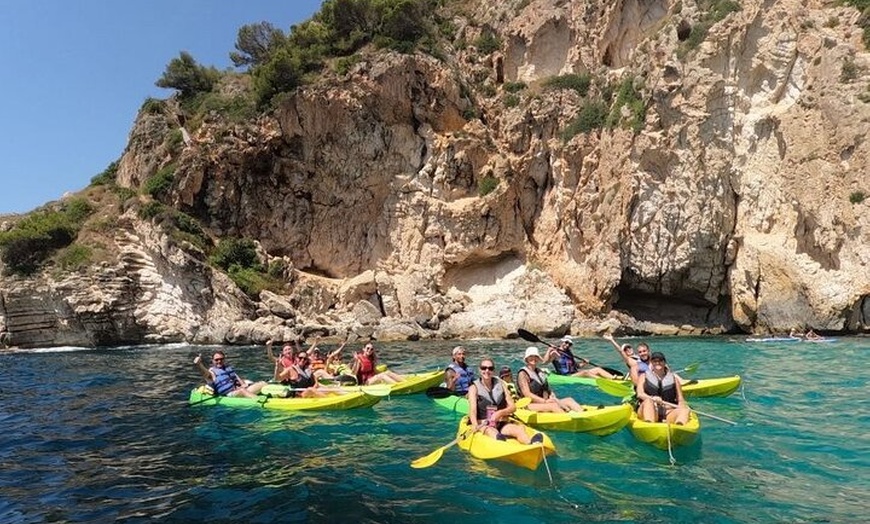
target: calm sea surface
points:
(107, 436)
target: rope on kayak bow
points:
(670, 450)
(550, 476)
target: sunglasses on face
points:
(487, 368)
(218, 359)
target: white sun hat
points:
(531, 351)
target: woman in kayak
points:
(660, 395)
(365, 368)
(224, 380)
(490, 406)
(533, 384)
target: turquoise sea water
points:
(107, 436)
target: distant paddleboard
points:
(775, 339)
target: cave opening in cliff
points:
(676, 310)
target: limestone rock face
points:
(416, 197)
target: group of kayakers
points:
(300, 370)
(492, 398)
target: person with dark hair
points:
(637, 364)
(458, 376)
(660, 395)
(366, 370)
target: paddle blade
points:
(377, 390)
(691, 368)
(428, 460)
(528, 336)
(614, 387)
(439, 392)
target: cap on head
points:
(568, 339)
(531, 351)
(504, 371)
(457, 350)
(658, 355)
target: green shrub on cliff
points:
(35, 237)
(187, 77)
(591, 116)
(628, 96)
(158, 185)
(577, 82)
(107, 177)
(238, 257)
(339, 29)
(240, 252)
(712, 11)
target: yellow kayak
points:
(417, 383)
(597, 421)
(705, 387)
(656, 433)
(336, 401)
(711, 387)
(487, 448)
(594, 420)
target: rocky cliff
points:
(413, 196)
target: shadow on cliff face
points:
(676, 311)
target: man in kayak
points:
(637, 364)
(365, 368)
(660, 395)
(533, 384)
(224, 380)
(490, 406)
(566, 363)
(458, 376)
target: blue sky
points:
(77, 71)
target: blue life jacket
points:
(666, 387)
(537, 384)
(564, 364)
(464, 377)
(485, 397)
(642, 367)
(225, 380)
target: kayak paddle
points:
(691, 368)
(616, 388)
(435, 456)
(531, 337)
(720, 419)
(441, 392)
